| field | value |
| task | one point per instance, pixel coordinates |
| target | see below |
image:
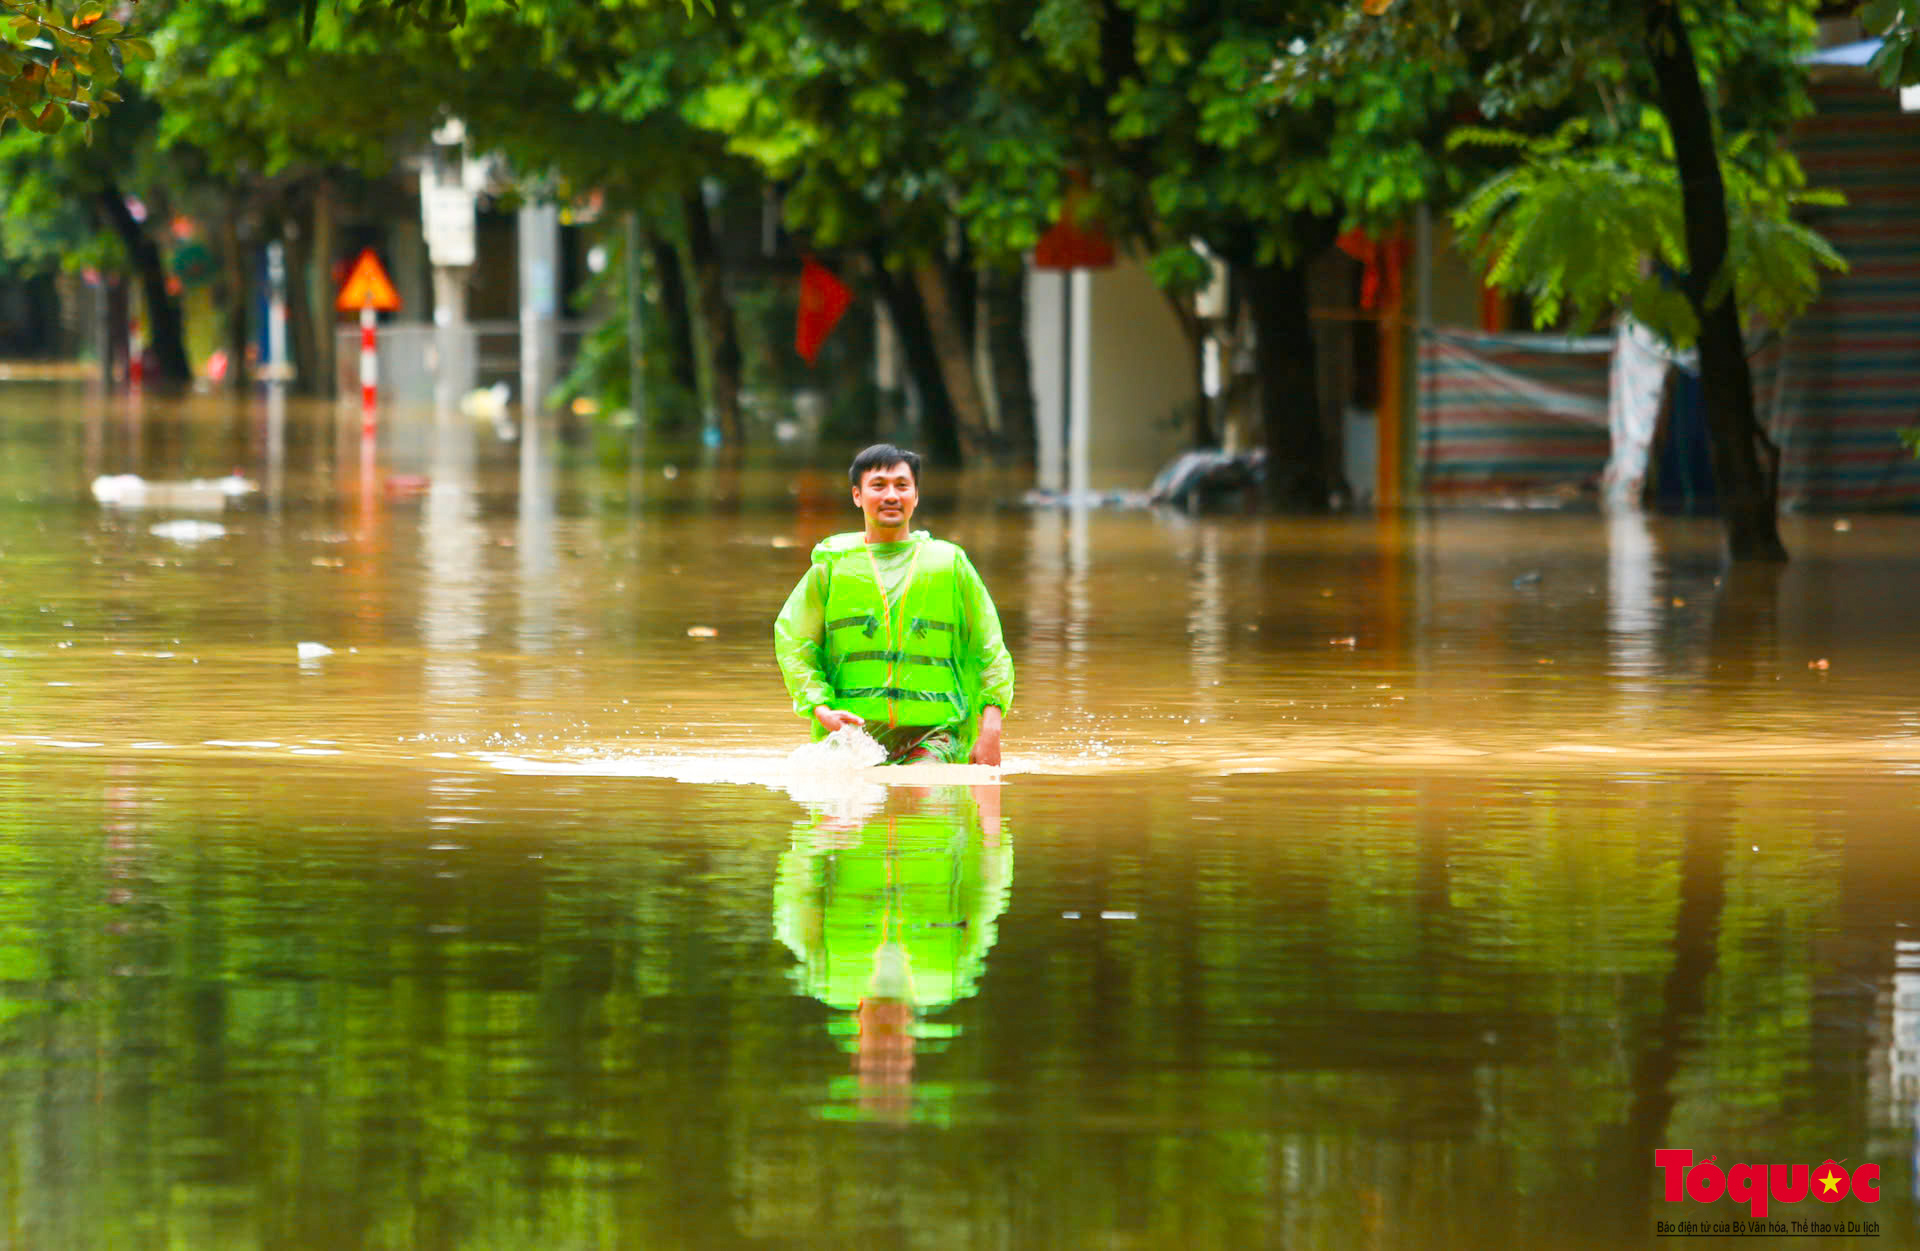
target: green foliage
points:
(601, 369)
(61, 63)
(1586, 226)
(1897, 22)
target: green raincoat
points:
(903, 634)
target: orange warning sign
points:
(367, 284)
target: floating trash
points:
(702, 632)
(126, 490)
(312, 651)
(185, 531)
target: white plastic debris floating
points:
(491, 404)
(208, 495)
(187, 531)
(312, 651)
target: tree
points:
(1897, 23)
(1604, 58)
(59, 63)
(872, 121)
(602, 108)
(67, 204)
(1219, 130)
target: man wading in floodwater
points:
(894, 631)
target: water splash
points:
(847, 748)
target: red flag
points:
(1358, 244)
(823, 299)
(1070, 245)
(1384, 261)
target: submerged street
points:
(404, 853)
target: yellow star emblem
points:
(1829, 1182)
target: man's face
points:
(887, 497)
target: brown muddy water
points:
(1351, 883)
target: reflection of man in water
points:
(892, 920)
(893, 630)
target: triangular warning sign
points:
(367, 284)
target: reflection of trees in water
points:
(1436, 1014)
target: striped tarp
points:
(1512, 412)
(1849, 369)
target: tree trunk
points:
(164, 336)
(1747, 487)
(1005, 301)
(301, 331)
(716, 314)
(682, 365)
(116, 340)
(1194, 327)
(1627, 1168)
(1285, 361)
(953, 350)
(236, 288)
(909, 316)
(326, 378)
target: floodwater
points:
(1355, 883)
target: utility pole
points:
(539, 232)
(447, 218)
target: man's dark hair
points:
(883, 456)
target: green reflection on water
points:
(891, 917)
(249, 1007)
(1446, 985)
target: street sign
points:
(446, 216)
(367, 286)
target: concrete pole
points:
(447, 221)
(1048, 334)
(280, 369)
(1080, 389)
(539, 231)
(452, 342)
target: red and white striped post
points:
(369, 369)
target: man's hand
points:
(986, 748)
(833, 718)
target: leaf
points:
(1878, 16)
(88, 13)
(1887, 61)
(47, 121)
(136, 47)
